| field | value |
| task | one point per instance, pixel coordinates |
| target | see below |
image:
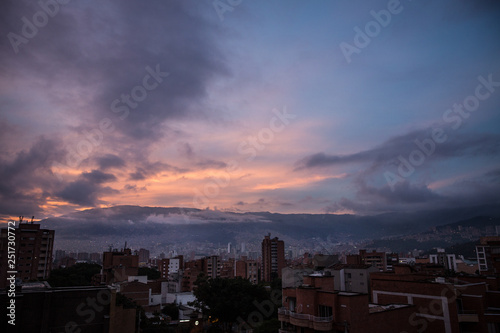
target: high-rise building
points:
(448, 261)
(118, 266)
(273, 258)
(33, 252)
(212, 266)
(247, 269)
(488, 255)
(377, 259)
(170, 266)
(143, 256)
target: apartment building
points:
(117, 266)
(488, 255)
(273, 258)
(442, 304)
(33, 252)
(315, 306)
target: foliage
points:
(125, 301)
(171, 310)
(152, 273)
(269, 326)
(77, 275)
(225, 300)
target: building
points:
(273, 258)
(442, 304)
(41, 308)
(169, 266)
(212, 266)
(247, 269)
(66, 262)
(117, 266)
(292, 277)
(33, 252)
(321, 261)
(143, 256)
(59, 255)
(377, 259)
(315, 306)
(148, 294)
(448, 261)
(353, 278)
(96, 258)
(83, 256)
(228, 268)
(488, 255)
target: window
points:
(324, 311)
(348, 275)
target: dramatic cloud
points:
(109, 161)
(458, 145)
(165, 104)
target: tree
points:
(152, 273)
(77, 275)
(226, 300)
(269, 326)
(171, 310)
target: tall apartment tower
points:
(273, 258)
(33, 252)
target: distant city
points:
(320, 291)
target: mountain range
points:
(157, 227)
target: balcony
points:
(322, 323)
(305, 320)
(301, 319)
(284, 315)
(468, 317)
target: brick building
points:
(355, 278)
(316, 307)
(118, 266)
(273, 258)
(33, 252)
(488, 255)
(448, 305)
(170, 266)
(247, 269)
(40, 308)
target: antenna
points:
(32, 218)
(125, 246)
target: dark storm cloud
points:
(98, 177)
(109, 161)
(87, 189)
(91, 59)
(25, 172)
(388, 152)
(110, 52)
(83, 192)
(151, 169)
(477, 191)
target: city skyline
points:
(290, 107)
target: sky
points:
(282, 106)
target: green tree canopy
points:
(77, 275)
(152, 273)
(226, 300)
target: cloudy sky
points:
(282, 106)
